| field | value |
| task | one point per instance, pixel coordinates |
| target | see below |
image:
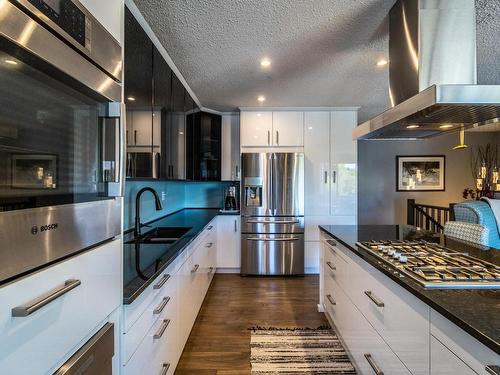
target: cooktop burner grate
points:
(435, 266)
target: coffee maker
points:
(230, 199)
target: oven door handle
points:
(268, 239)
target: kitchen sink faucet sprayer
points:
(138, 225)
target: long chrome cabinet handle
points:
(195, 268)
(38, 303)
(161, 306)
(277, 138)
(236, 226)
(326, 177)
(162, 281)
(158, 334)
(331, 300)
(373, 365)
(332, 267)
(374, 299)
(267, 239)
(334, 177)
(164, 368)
(268, 137)
(492, 369)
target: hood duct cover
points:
(432, 73)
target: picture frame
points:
(34, 171)
(420, 173)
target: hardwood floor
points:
(220, 339)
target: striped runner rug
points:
(298, 351)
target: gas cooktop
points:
(435, 266)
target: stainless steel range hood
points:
(432, 73)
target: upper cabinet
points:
(272, 129)
(288, 129)
(138, 95)
(231, 167)
(256, 128)
(203, 143)
(156, 108)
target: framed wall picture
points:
(34, 171)
(420, 173)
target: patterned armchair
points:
(474, 222)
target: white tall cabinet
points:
(330, 174)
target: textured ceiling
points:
(323, 52)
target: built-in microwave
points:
(61, 137)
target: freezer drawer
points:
(272, 254)
(270, 224)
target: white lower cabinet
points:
(445, 362)
(229, 243)
(374, 315)
(36, 337)
(153, 342)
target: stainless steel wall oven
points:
(61, 137)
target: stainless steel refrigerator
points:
(272, 210)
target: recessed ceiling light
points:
(446, 126)
(259, 114)
(414, 126)
(261, 98)
(11, 62)
(131, 99)
(382, 62)
(265, 62)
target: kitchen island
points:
(422, 330)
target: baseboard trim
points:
(227, 270)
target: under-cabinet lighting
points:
(261, 98)
(11, 62)
(382, 62)
(414, 126)
(131, 99)
(265, 62)
(446, 126)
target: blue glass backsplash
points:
(176, 196)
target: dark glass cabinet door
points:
(174, 134)
(162, 110)
(203, 140)
(143, 149)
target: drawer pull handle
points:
(331, 300)
(38, 303)
(332, 267)
(164, 368)
(162, 281)
(209, 245)
(492, 369)
(374, 299)
(162, 329)
(210, 227)
(331, 242)
(373, 365)
(195, 268)
(161, 306)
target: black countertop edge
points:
(414, 289)
(179, 247)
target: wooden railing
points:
(427, 216)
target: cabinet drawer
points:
(36, 342)
(157, 351)
(445, 362)
(161, 307)
(334, 264)
(461, 344)
(366, 348)
(400, 318)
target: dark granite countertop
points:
(154, 258)
(475, 311)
